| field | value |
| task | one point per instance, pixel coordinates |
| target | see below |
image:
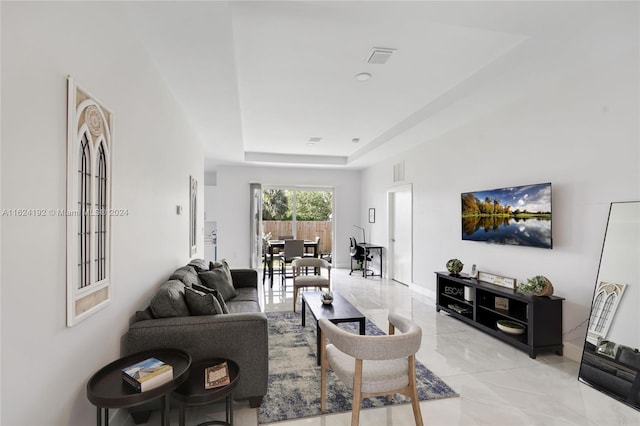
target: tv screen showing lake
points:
(519, 215)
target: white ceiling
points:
(259, 79)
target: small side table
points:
(192, 392)
(106, 389)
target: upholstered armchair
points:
(372, 365)
(321, 277)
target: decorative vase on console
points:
(454, 266)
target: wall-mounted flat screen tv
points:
(517, 215)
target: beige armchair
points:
(372, 365)
(320, 279)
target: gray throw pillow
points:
(200, 265)
(216, 294)
(221, 264)
(187, 274)
(219, 278)
(200, 303)
(169, 301)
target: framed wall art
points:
(89, 210)
(193, 216)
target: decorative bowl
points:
(327, 297)
(510, 327)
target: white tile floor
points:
(498, 385)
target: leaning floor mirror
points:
(611, 360)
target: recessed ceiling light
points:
(363, 76)
(355, 140)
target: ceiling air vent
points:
(380, 55)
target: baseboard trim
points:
(572, 351)
(423, 291)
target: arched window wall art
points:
(88, 212)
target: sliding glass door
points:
(301, 213)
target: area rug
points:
(294, 376)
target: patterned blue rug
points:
(294, 376)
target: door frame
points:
(390, 218)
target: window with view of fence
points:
(304, 230)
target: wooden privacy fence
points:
(304, 231)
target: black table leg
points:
(102, 414)
(304, 312)
(271, 264)
(181, 418)
(318, 339)
(166, 406)
(361, 326)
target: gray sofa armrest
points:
(244, 278)
(242, 337)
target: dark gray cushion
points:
(186, 274)
(147, 314)
(200, 265)
(169, 301)
(200, 303)
(629, 356)
(219, 278)
(246, 294)
(242, 307)
(223, 304)
(216, 294)
(224, 265)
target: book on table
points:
(147, 374)
(216, 376)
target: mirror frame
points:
(604, 365)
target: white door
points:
(400, 234)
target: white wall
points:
(45, 365)
(233, 212)
(581, 135)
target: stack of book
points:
(147, 374)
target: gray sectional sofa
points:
(240, 335)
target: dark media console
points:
(541, 316)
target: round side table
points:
(106, 389)
(192, 392)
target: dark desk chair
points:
(358, 254)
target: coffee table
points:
(106, 389)
(341, 310)
(192, 392)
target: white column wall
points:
(45, 365)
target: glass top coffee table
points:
(341, 310)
